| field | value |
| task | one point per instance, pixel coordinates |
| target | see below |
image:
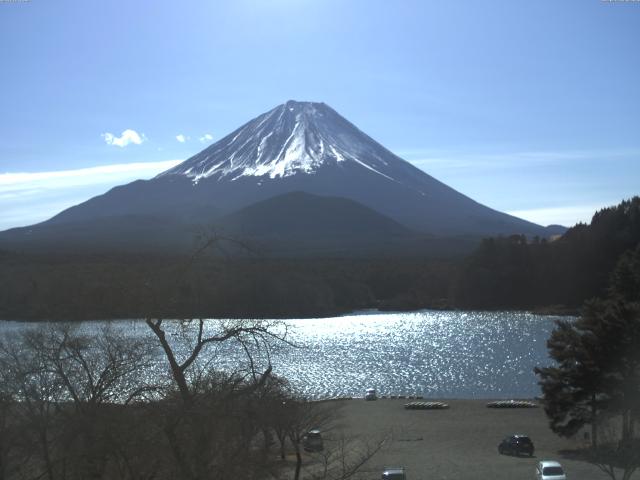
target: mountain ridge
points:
(295, 147)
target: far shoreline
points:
(549, 311)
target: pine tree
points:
(573, 389)
(597, 369)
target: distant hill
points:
(301, 222)
(305, 215)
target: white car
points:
(370, 394)
(394, 473)
(550, 470)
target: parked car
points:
(550, 470)
(312, 441)
(516, 445)
(393, 473)
(370, 394)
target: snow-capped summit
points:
(293, 138)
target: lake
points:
(438, 354)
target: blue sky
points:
(528, 107)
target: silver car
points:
(550, 470)
(394, 473)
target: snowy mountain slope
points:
(293, 138)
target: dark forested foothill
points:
(520, 273)
(103, 287)
(512, 272)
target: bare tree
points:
(347, 456)
(259, 333)
(35, 393)
(93, 369)
(342, 455)
(11, 435)
(304, 416)
(68, 392)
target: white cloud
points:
(452, 160)
(27, 198)
(85, 176)
(567, 216)
(127, 137)
(207, 137)
(181, 138)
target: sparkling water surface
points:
(438, 354)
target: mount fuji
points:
(297, 172)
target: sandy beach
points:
(458, 443)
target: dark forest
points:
(514, 272)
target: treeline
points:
(517, 273)
(503, 273)
(109, 287)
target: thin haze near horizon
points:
(531, 108)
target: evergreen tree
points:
(597, 359)
(625, 280)
(573, 389)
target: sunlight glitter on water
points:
(432, 353)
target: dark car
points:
(312, 441)
(516, 445)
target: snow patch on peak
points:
(293, 138)
(339, 157)
(261, 146)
